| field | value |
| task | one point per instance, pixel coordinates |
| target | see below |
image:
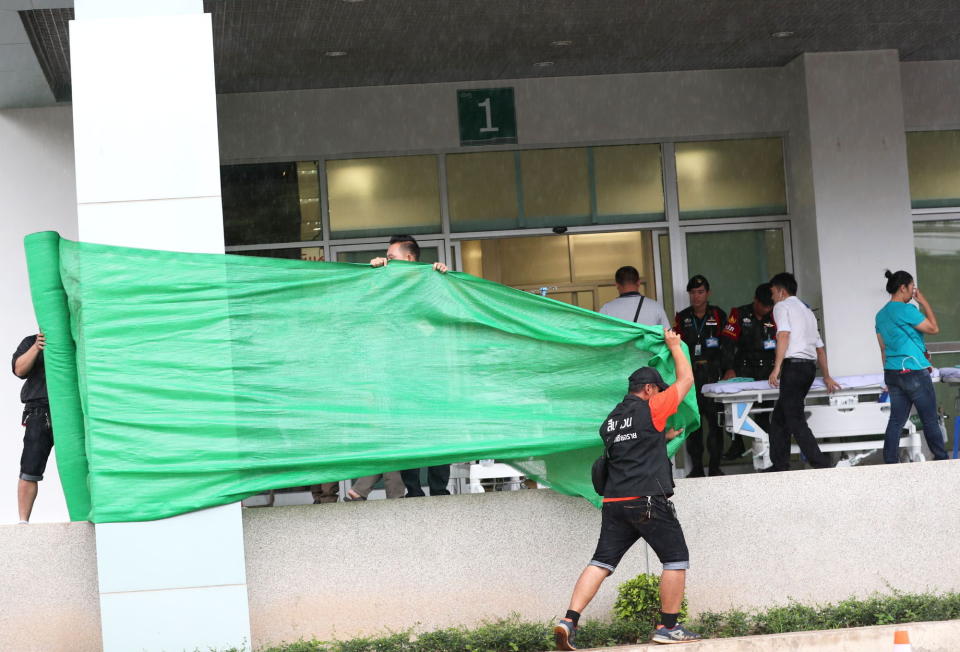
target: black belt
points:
(799, 360)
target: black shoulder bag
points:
(600, 471)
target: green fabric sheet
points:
(182, 381)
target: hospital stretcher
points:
(840, 421)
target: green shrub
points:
(876, 609)
(638, 600)
(636, 610)
(595, 633)
(508, 635)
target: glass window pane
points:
(427, 255)
(629, 184)
(519, 261)
(556, 187)
(937, 246)
(933, 158)
(727, 178)
(482, 191)
(735, 262)
(597, 257)
(270, 202)
(308, 184)
(292, 253)
(383, 196)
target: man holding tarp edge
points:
(27, 364)
(636, 497)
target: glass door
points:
(578, 269)
(735, 259)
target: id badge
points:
(697, 350)
(712, 342)
(769, 345)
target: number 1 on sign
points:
(486, 108)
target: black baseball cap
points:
(698, 280)
(647, 376)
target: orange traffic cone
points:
(901, 641)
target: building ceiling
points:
(274, 45)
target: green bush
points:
(876, 609)
(638, 600)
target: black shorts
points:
(654, 521)
(37, 442)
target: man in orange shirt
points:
(636, 503)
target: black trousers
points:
(437, 479)
(708, 428)
(796, 377)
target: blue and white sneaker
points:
(677, 634)
(564, 634)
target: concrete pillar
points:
(850, 195)
(145, 133)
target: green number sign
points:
(487, 116)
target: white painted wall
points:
(148, 175)
(861, 195)
(37, 193)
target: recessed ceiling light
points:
(335, 53)
(561, 44)
(543, 64)
(783, 34)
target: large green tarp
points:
(181, 381)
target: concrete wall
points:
(861, 195)
(931, 94)
(558, 110)
(352, 568)
(37, 193)
(800, 190)
(758, 539)
(49, 601)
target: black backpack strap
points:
(636, 315)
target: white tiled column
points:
(147, 158)
(853, 205)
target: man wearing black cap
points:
(636, 497)
(700, 326)
(749, 343)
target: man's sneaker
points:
(678, 634)
(564, 634)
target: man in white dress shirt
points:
(799, 350)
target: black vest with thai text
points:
(638, 464)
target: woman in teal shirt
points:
(900, 329)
